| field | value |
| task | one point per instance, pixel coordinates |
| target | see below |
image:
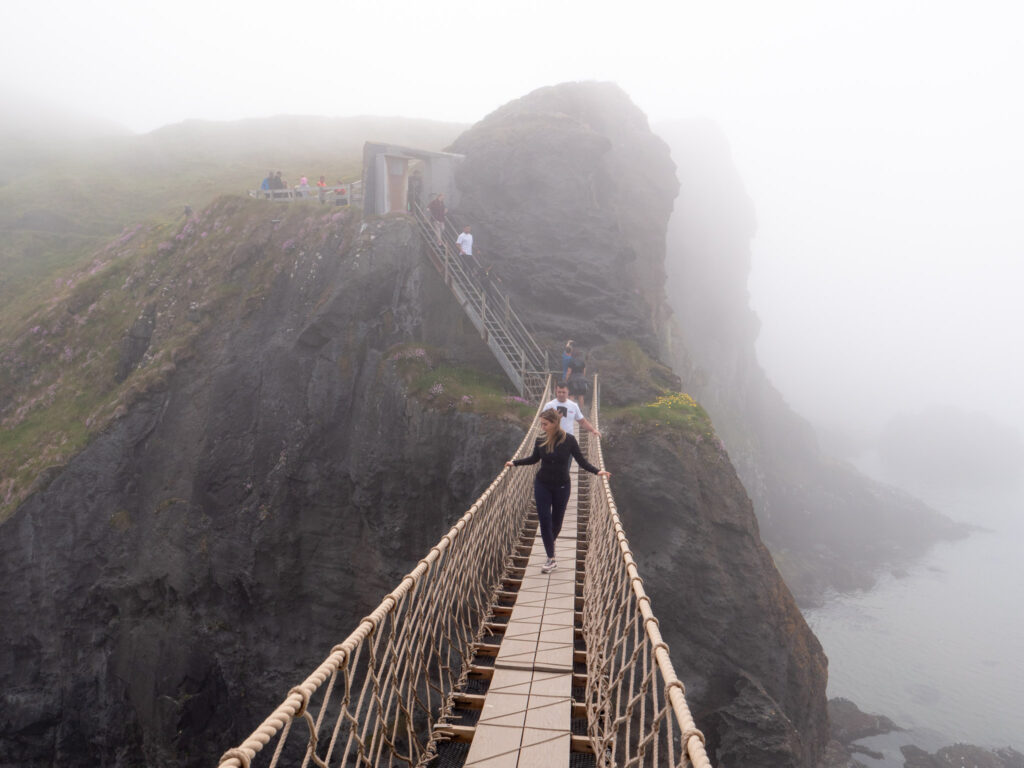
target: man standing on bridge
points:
(569, 411)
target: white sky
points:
(880, 141)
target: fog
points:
(880, 142)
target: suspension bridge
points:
(477, 658)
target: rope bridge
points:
(388, 695)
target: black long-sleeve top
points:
(554, 466)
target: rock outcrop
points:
(569, 193)
(827, 525)
(182, 572)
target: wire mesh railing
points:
(376, 697)
(636, 705)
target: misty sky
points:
(880, 141)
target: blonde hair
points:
(555, 438)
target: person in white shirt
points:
(569, 411)
(465, 242)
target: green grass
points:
(92, 232)
(58, 204)
(434, 381)
(673, 409)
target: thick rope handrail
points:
(619, 732)
(347, 655)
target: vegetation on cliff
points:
(116, 328)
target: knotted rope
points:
(636, 706)
(374, 699)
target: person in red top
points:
(437, 214)
(321, 190)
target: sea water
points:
(938, 648)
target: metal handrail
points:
(498, 323)
(515, 324)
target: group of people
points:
(555, 451)
(438, 214)
(273, 182)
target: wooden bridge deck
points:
(527, 713)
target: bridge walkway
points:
(478, 659)
(526, 719)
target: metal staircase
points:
(487, 308)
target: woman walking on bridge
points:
(552, 486)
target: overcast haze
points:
(880, 142)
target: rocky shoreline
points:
(849, 725)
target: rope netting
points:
(636, 706)
(374, 700)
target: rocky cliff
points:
(827, 525)
(570, 193)
(267, 429)
(247, 504)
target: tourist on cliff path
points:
(552, 486)
(569, 411)
(566, 360)
(437, 214)
(465, 242)
(579, 387)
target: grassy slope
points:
(58, 365)
(81, 228)
(61, 203)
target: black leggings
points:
(551, 503)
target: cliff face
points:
(183, 571)
(755, 675)
(273, 460)
(569, 193)
(827, 525)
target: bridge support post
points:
(522, 372)
(483, 314)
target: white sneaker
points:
(549, 566)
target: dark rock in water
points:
(962, 755)
(849, 723)
(839, 756)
